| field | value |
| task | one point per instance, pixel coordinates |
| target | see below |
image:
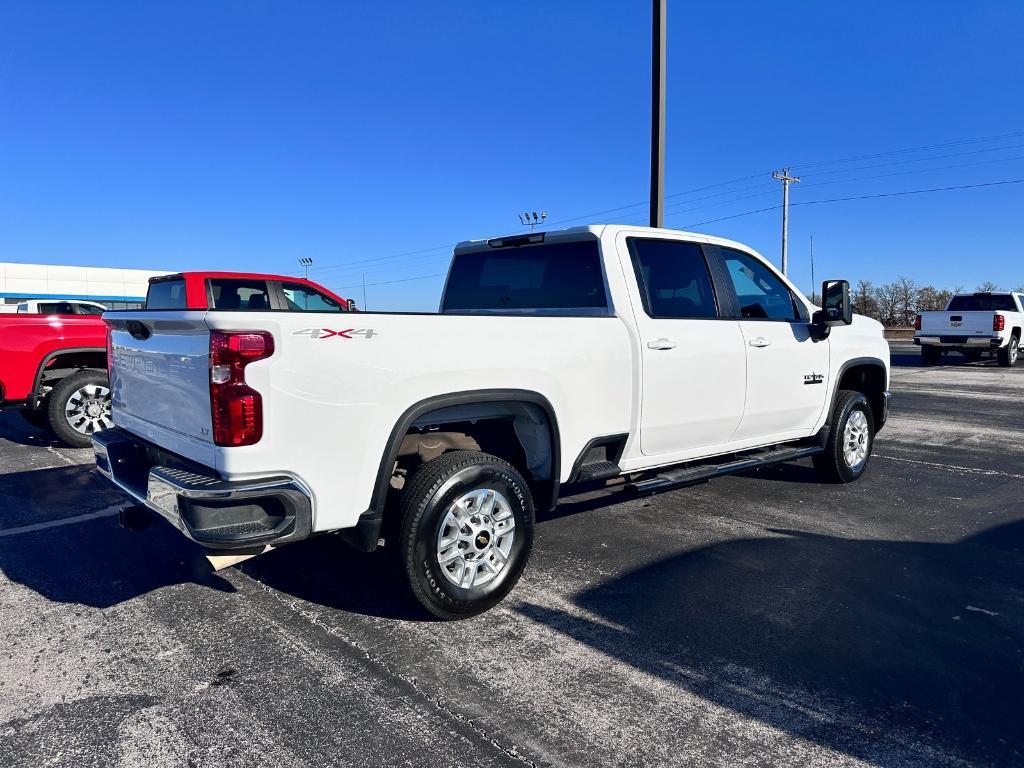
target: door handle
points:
(759, 341)
(661, 344)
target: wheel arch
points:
(77, 358)
(535, 427)
(867, 375)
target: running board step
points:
(697, 473)
(598, 470)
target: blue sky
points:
(243, 135)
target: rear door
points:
(787, 370)
(693, 362)
(160, 379)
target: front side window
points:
(302, 298)
(673, 278)
(550, 276)
(239, 295)
(761, 294)
(90, 309)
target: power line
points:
(389, 282)
(859, 197)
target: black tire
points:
(426, 502)
(831, 464)
(58, 402)
(931, 355)
(1008, 354)
(37, 417)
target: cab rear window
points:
(982, 302)
(166, 294)
(558, 277)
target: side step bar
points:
(697, 473)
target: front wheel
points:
(78, 407)
(466, 534)
(850, 440)
(1008, 354)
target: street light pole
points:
(658, 112)
(306, 264)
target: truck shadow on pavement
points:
(92, 561)
(897, 653)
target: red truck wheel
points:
(79, 407)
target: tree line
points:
(895, 304)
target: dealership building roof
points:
(49, 281)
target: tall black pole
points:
(658, 113)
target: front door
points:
(693, 361)
(787, 370)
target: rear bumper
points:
(216, 513)
(959, 342)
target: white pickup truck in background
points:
(573, 356)
(973, 324)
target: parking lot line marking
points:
(105, 512)
(956, 467)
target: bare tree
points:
(906, 301)
(887, 301)
(931, 298)
(989, 286)
(864, 299)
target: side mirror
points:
(835, 302)
(350, 305)
(836, 308)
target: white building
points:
(116, 288)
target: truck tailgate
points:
(160, 379)
(956, 324)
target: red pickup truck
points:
(54, 367)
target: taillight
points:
(998, 323)
(235, 408)
(917, 322)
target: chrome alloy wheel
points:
(88, 409)
(475, 539)
(1014, 351)
(856, 439)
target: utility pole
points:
(526, 221)
(364, 293)
(786, 180)
(306, 264)
(658, 112)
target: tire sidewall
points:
(856, 403)
(57, 402)
(425, 569)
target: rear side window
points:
(239, 295)
(982, 302)
(761, 294)
(563, 277)
(673, 279)
(57, 308)
(90, 309)
(166, 294)
(302, 298)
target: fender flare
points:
(857, 362)
(38, 379)
(365, 534)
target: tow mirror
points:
(836, 307)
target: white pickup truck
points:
(573, 356)
(972, 324)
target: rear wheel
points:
(1008, 354)
(79, 407)
(850, 440)
(931, 355)
(466, 532)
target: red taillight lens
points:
(998, 323)
(917, 322)
(235, 408)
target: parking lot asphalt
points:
(758, 620)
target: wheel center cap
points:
(483, 539)
(93, 410)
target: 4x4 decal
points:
(327, 333)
